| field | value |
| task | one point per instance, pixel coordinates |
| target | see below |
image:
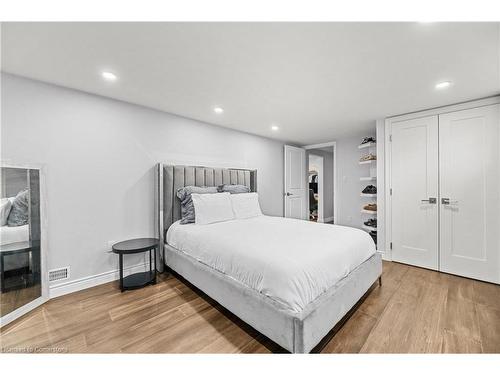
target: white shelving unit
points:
(367, 162)
(367, 145)
(369, 178)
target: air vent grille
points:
(59, 274)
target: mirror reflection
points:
(20, 262)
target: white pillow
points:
(246, 205)
(212, 208)
(5, 206)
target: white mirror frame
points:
(10, 317)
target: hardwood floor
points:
(415, 311)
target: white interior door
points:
(414, 177)
(295, 182)
(469, 183)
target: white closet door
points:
(295, 182)
(469, 184)
(414, 176)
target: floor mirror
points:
(22, 241)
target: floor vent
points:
(59, 274)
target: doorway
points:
(321, 182)
(297, 195)
(315, 185)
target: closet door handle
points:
(288, 194)
(430, 200)
(447, 201)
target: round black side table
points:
(134, 246)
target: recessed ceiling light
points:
(218, 110)
(275, 128)
(108, 76)
(443, 85)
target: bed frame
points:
(296, 332)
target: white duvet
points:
(291, 261)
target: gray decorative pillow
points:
(233, 189)
(19, 212)
(5, 206)
(187, 206)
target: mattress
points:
(13, 234)
(10, 235)
(290, 261)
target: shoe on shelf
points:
(368, 140)
(370, 207)
(368, 157)
(371, 223)
(370, 189)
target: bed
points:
(261, 268)
(10, 236)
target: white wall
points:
(100, 156)
(348, 184)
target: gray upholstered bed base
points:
(296, 332)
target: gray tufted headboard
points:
(172, 177)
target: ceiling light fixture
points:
(108, 76)
(275, 128)
(443, 85)
(218, 110)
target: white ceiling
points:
(317, 81)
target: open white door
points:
(295, 182)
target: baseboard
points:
(16, 314)
(94, 280)
(385, 255)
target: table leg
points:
(2, 278)
(154, 280)
(30, 261)
(121, 272)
